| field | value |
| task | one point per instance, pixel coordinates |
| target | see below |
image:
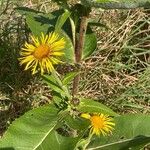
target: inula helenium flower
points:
(42, 53)
(100, 123)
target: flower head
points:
(100, 123)
(42, 53)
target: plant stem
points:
(88, 141)
(78, 51)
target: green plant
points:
(60, 125)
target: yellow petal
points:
(85, 115)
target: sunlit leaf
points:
(90, 43)
(57, 142)
(61, 20)
(77, 123)
(53, 84)
(32, 130)
(69, 49)
(91, 106)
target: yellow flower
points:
(100, 123)
(42, 53)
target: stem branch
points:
(78, 51)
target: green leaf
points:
(38, 21)
(61, 20)
(131, 132)
(57, 98)
(57, 142)
(69, 77)
(56, 85)
(91, 106)
(69, 56)
(32, 130)
(90, 43)
(60, 101)
(76, 123)
(51, 81)
(117, 4)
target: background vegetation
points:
(118, 72)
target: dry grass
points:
(117, 74)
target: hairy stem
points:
(87, 141)
(78, 51)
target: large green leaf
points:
(38, 21)
(91, 106)
(117, 4)
(61, 20)
(69, 49)
(77, 123)
(57, 142)
(39, 24)
(31, 131)
(90, 43)
(131, 132)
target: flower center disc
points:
(97, 122)
(41, 52)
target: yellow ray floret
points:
(100, 123)
(42, 53)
